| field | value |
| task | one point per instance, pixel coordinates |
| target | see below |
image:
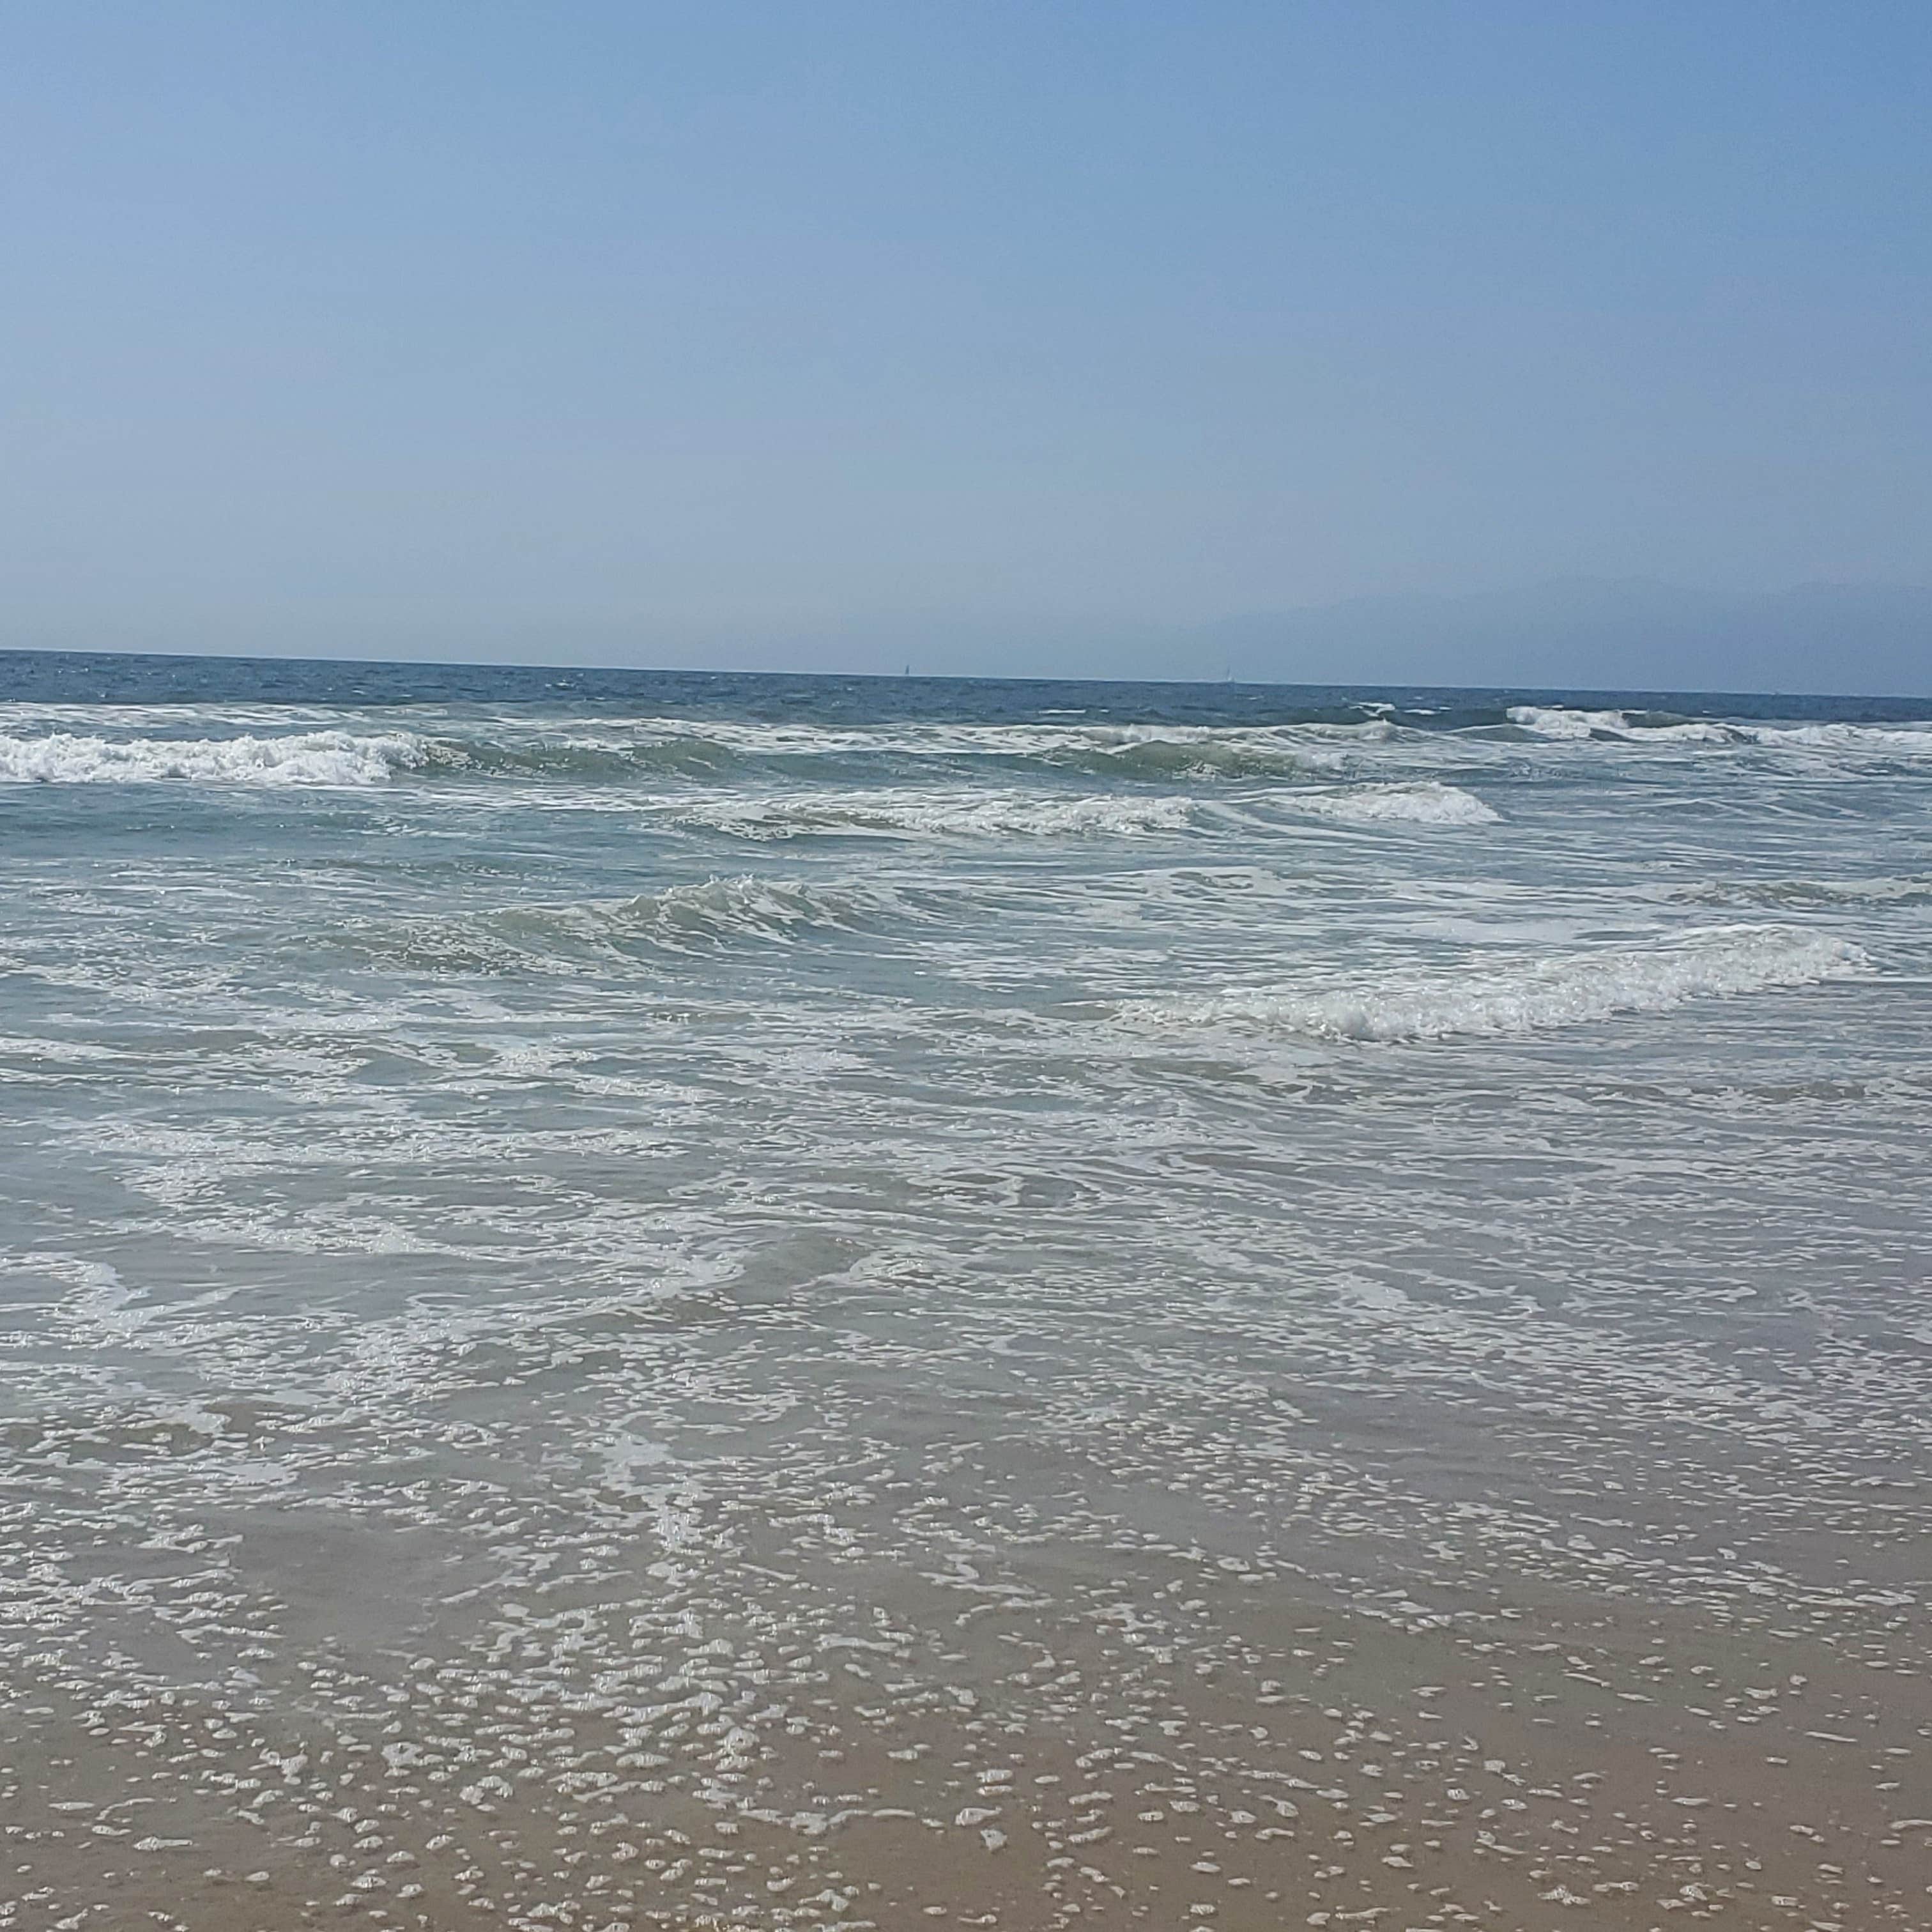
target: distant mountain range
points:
(1592, 633)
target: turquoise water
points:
(743, 1288)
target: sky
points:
(992, 336)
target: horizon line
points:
(909, 676)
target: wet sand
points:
(1065, 1697)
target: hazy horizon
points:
(1596, 635)
(985, 341)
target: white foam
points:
(328, 758)
(102, 1302)
(1426, 804)
(970, 814)
(1525, 996)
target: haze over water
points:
(644, 1299)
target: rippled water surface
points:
(643, 1300)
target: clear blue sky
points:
(741, 334)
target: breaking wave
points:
(1426, 804)
(1493, 1000)
(911, 814)
(322, 758)
(1560, 722)
(1911, 741)
(1358, 768)
(650, 747)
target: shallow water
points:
(640, 1299)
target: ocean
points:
(642, 1299)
